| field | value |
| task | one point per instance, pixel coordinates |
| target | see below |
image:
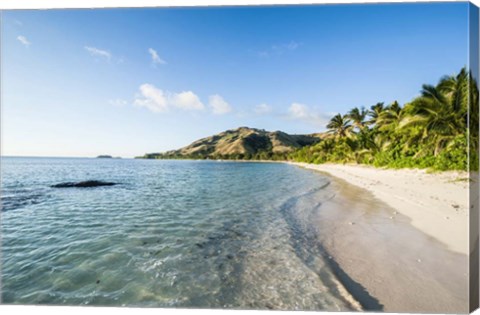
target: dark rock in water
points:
(88, 183)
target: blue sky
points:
(129, 81)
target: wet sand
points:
(436, 203)
(391, 265)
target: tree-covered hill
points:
(434, 130)
(241, 144)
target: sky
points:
(125, 82)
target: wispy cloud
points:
(155, 57)
(218, 105)
(263, 54)
(262, 109)
(159, 101)
(18, 22)
(307, 114)
(98, 52)
(293, 45)
(22, 39)
(118, 102)
(278, 49)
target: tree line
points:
(436, 130)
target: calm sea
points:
(203, 234)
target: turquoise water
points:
(204, 234)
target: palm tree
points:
(456, 88)
(390, 117)
(374, 113)
(358, 117)
(435, 111)
(340, 126)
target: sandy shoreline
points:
(437, 204)
(374, 229)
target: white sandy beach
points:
(402, 235)
(436, 203)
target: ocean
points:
(195, 234)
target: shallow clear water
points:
(170, 234)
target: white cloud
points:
(280, 49)
(219, 105)
(186, 100)
(292, 45)
(263, 109)
(151, 98)
(22, 39)
(263, 54)
(118, 102)
(158, 101)
(155, 57)
(98, 52)
(297, 110)
(305, 113)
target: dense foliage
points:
(261, 155)
(432, 131)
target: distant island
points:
(432, 131)
(107, 157)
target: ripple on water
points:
(189, 234)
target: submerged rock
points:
(84, 184)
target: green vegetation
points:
(432, 131)
(259, 156)
(241, 144)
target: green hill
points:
(241, 143)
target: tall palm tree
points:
(340, 126)
(456, 88)
(358, 117)
(435, 111)
(473, 123)
(374, 113)
(390, 117)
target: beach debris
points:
(351, 223)
(83, 184)
(455, 206)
